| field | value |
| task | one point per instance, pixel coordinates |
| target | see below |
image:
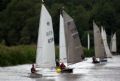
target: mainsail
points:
(113, 44)
(104, 38)
(70, 45)
(63, 54)
(98, 42)
(45, 45)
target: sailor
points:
(94, 60)
(33, 70)
(83, 57)
(62, 66)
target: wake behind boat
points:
(35, 75)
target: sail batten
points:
(45, 57)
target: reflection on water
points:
(44, 79)
(69, 77)
(85, 71)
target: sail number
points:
(49, 33)
(74, 33)
(51, 39)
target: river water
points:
(84, 71)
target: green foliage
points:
(89, 53)
(20, 54)
(17, 55)
(19, 19)
(3, 4)
(20, 22)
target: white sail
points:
(88, 36)
(104, 37)
(107, 49)
(45, 46)
(69, 40)
(62, 46)
(98, 42)
(113, 43)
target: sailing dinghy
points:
(113, 45)
(45, 57)
(98, 43)
(70, 46)
(104, 38)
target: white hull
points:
(46, 72)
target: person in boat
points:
(95, 60)
(33, 70)
(64, 69)
(62, 66)
(83, 57)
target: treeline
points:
(19, 19)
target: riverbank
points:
(20, 54)
(25, 54)
(15, 55)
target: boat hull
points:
(68, 70)
(46, 72)
(35, 75)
